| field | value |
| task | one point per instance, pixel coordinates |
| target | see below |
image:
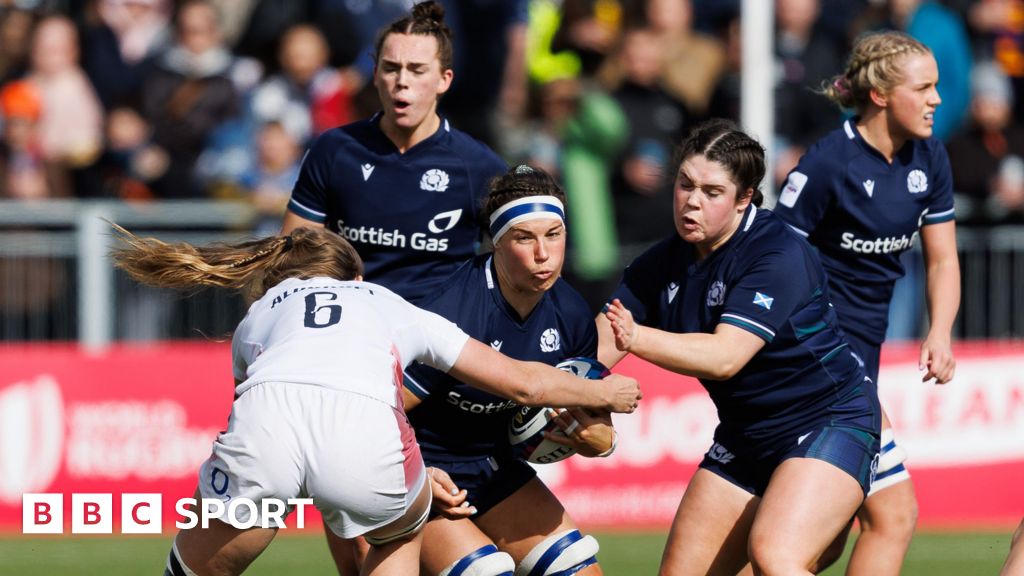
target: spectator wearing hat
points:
(24, 174)
(988, 168)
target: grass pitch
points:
(622, 554)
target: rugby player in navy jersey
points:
(515, 300)
(318, 364)
(404, 187)
(741, 302)
(863, 195)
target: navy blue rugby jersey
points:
(768, 281)
(412, 217)
(862, 212)
(457, 421)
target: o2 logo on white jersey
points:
(452, 218)
(434, 180)
(550, 340)
(716, 294)
(917, 181)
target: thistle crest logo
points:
(434, 180)
(917, 181)
(550, 340)
(716, 294)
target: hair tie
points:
(841, 88)
(288, 243)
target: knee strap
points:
(560, 554)
(402, 533)
(405, 531)
(486, 561)
(890, 464)
(175, 567)
(891, 454)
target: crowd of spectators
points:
(164, 99)
(141, 99)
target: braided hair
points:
(252, 267)
(426, 19)
(874, 65)
(722, 141)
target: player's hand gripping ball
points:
(526, 430)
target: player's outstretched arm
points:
(717, 356)
(537, 384)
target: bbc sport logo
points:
(143, 513)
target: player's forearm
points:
(943, 286)
(558, 389)
(528, 383)
(699, 355)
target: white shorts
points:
(355, 456)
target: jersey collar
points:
(850, 128)
(491, 278)
(442, 132)
(746, 222)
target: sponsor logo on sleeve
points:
(794, 186)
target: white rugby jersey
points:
(346, 335)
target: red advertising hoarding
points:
(140, 420)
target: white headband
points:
(523, 209)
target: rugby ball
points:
(526, 430)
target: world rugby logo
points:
(434, 180)
(31, 437)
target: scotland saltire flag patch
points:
(763, 300)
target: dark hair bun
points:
(429, 11)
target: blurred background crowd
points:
(141, 100)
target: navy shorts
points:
(488, 481)
(750, 466)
